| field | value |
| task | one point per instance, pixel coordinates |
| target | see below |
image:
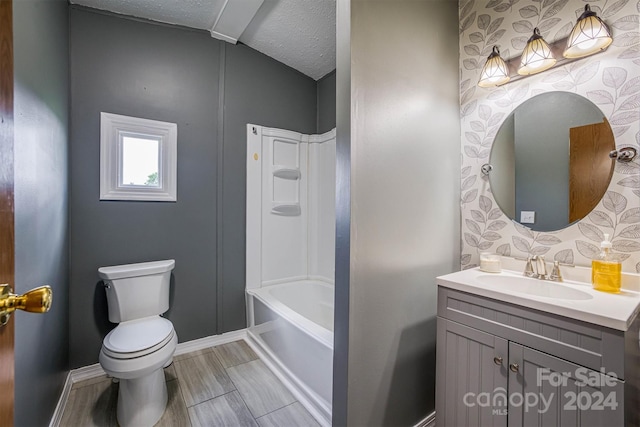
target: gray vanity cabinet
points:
(499, 364)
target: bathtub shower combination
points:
(290, 257)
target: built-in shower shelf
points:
(288, 209)
(286, 173)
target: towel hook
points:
(486, 168)
(625, 154)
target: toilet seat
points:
(138, 367)
(137, 338)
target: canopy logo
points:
(596, 398)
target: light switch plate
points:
(527, 217)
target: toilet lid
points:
(136, 338)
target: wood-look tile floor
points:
(226, 385)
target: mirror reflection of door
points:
(589, 167)
(550, 160)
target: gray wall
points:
(41, 236)
(261, 91)
(327, 102)
(211, 90)
(404, 197)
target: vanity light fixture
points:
(536, 56)
(495, 71)
(590, 35)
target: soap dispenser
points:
(606, 273)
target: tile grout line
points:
(183, 401)
(185, 356)
(246, 406)
(235, 386)
(203, 353)
(240, 394)
(241, 397)
(226, 371)
(271, 412)
(210, 350)
(182, 393)
(211, 398)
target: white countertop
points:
(615, 311)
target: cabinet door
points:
(471, 373)
(547, 391)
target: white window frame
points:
(112, 128)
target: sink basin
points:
(535, 287)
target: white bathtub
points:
(293, 323)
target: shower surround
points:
(290, 257)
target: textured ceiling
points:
(298, 33)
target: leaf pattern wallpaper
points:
(610, 79)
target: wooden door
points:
(6, 205)
(471, 377)
(560, 393)
(590, 168)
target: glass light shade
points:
(536, 56)
(590, 35)
(495, 71)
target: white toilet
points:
(143, 342)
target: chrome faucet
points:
(541, 267)
(537, 269)
(556, 275)
(528, 268)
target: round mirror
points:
(550, 162)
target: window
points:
(137, 159)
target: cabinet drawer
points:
(582, 343)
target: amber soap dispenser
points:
(606, 274)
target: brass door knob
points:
(497, 360)
(37, 300)
(514, 367)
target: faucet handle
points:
(541, 267)
(528, 268)
(556, 275)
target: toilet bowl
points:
(143, 343)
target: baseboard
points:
(212, 341)
(86, 373)
(429, 421)
(95, 370)
(56, 418)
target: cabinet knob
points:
(497, 360)
(514, 367)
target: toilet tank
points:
(138, 290)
